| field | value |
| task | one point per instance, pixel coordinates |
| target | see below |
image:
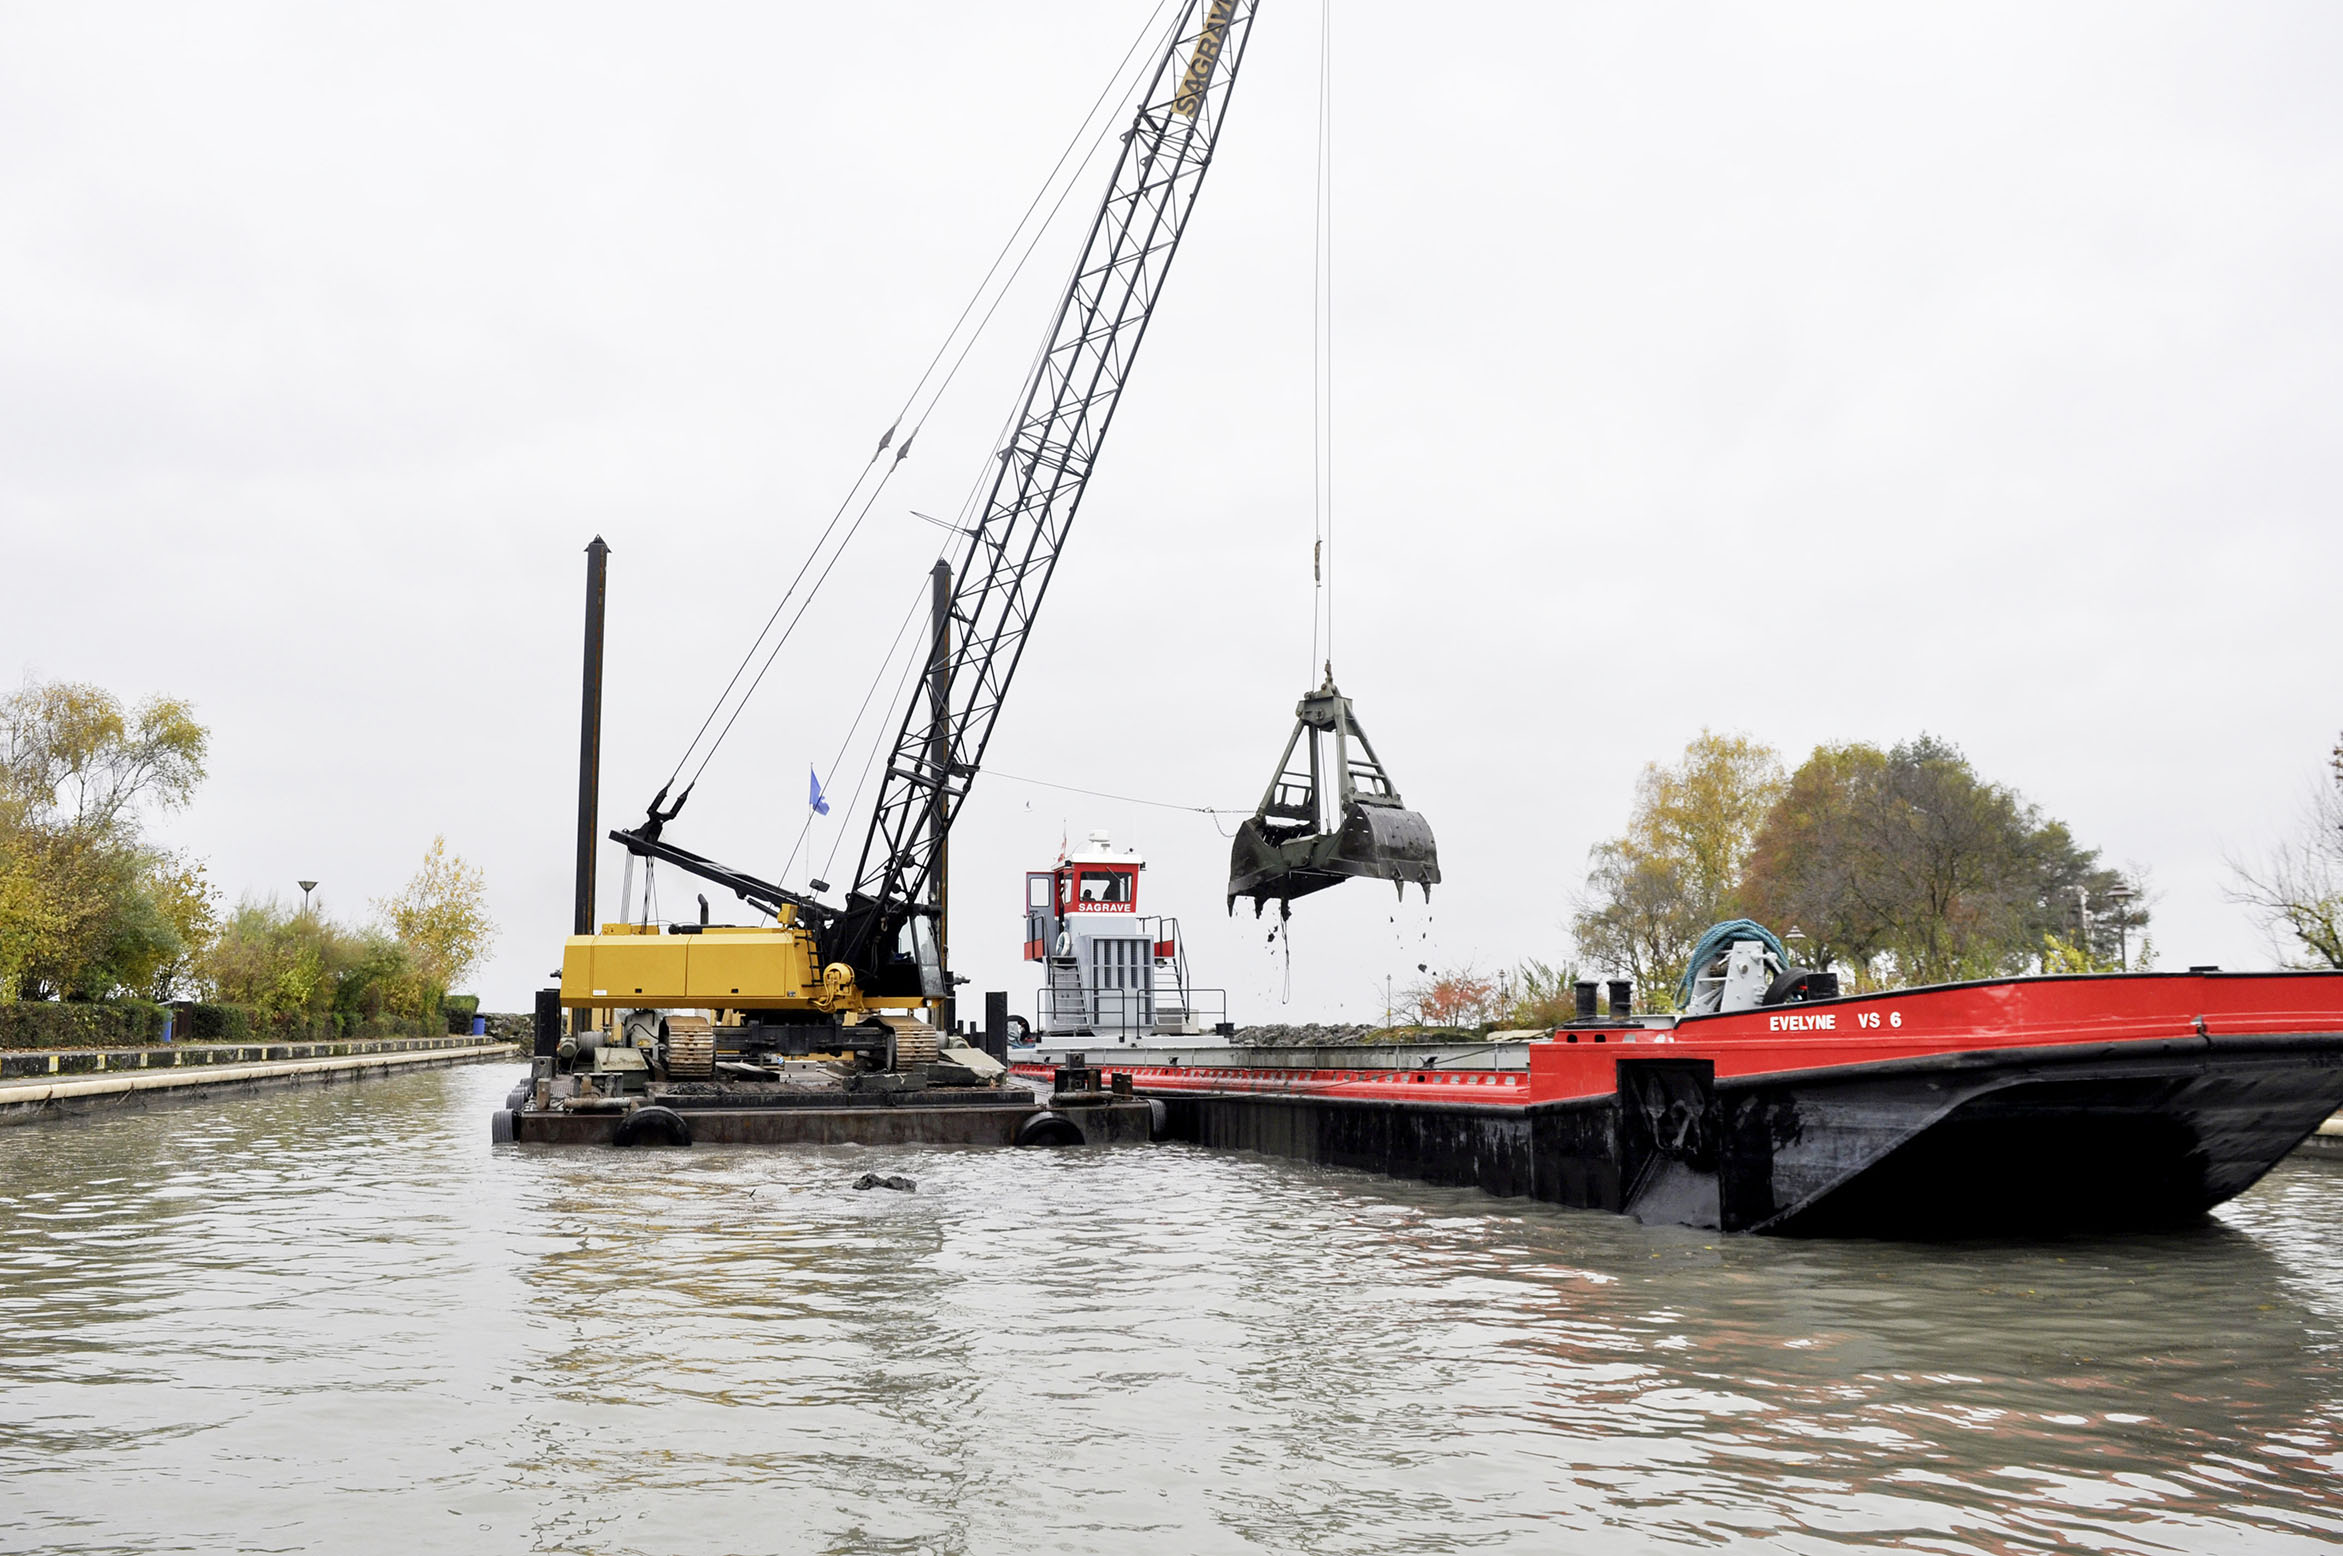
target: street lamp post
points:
(306, 888)
(2119, 894)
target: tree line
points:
(1891, 867)
(92, 909)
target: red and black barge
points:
(2024, 1105)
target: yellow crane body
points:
(757, 968)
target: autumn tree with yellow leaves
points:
(441, 917)
(1652, 891)
(88, 908)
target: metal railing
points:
(1125, 1012)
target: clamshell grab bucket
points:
(1330, 815)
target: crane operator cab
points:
(1112, 975)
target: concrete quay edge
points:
(23, 1065)
(28, 1103)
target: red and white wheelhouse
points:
(1115, 977)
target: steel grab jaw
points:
(1375, 842)
(1280, 855)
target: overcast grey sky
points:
(1819, 372)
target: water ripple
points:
(340, 1320)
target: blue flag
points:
(814, 795)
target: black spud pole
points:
(939, 704)
(590, 733)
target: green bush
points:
(53, 1024)
(338, 1026)
(132, 1023)
(79, 1023)
(144, 1018)
(320, 977)
(459, 1010)
(210, 1023)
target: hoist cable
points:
(1322, 345)
(1318, 356)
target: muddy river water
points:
(340, 1320)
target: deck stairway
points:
(1067, 1010)
(1171, 982)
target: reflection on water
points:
(341, 1320)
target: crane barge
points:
(680, 1031)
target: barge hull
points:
(2075, 1137)
(2113, 1140)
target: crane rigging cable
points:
(887, 936)
(911, 661)
(1036, 489)
(968, 337)
(966, 511)
(870, 760)
(886, 660)
(878, 745)
(1149, 29)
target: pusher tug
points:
(1114, 979)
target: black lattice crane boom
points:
(1067, 410)
(880, 949)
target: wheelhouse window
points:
(1106, 886)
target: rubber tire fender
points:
(500, 1127)
(517, 1098)
(652, 1126)
(1050, 1129)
